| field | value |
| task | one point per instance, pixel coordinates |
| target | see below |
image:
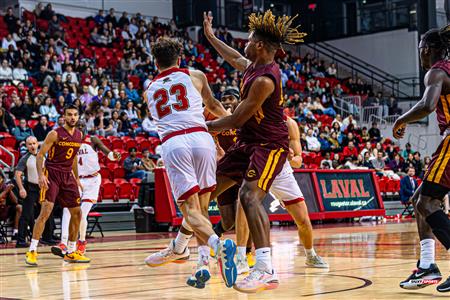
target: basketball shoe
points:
(31, 258)
(257, 281)
(421, 278)
(316, 261)
(81, 246)
(242, 264)
(167, 256)
(59, 250)
(76, 257)
(200, 275)
(445, 286)
(225, 253)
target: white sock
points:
(15, 231)
(310, 252)
(181, 242)
(264, 259)
(242, 251)
(427, 248)
(71, 246)
(85, 209)
(65, 221)
(33, 244)
(213, 242)
(203, 252)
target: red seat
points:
(130, 144)
(106, 173)
(135, 181)
(145, 144)
(119, 172)
(117, 144)
(95, 214)
(382, 183)
(9, 141)
(112, 165)
(108, 191)
(105, 180)
(32, 123)
(118, 181)
(125, 191)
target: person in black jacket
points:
(42, 129)
(6, 121)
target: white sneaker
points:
(316, 262)
(257, 281)
(167, 256)
(200, 275)
(242, 264)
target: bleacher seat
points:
(124, 190)
(118, 172)
(108, 191)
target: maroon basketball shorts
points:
(436, 182)
(253, 161)
(62, 187)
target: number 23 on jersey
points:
(161, 97)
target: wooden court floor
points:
(366, 262)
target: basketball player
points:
(262, 144)
(90, 178)
(285, 188)
(434, 48)
(175, 100)
(59, 181)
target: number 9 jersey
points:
(174, 102)
(61, 154)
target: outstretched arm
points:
(232, 56)
(433, 87)
(99, 145)
(261, 88)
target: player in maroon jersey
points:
(58, 180)
(431, 219)
(262, 142)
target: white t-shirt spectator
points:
(6, 73)
(313, 143)
(148, 125)
(6, 43)
(20, 74)
(74, 77)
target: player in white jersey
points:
(90, 179)
(175, 100)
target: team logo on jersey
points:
(166, 80)
(251, 173)
(78, 201)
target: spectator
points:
(378, 163)
(408, 185)
(8, 42)
(6, 121)
(149, 127)
(417, 162)
(42, 129)
(6, 74)
(10, 20)
(22, 131)
(397, 164)
(350, 151)
(54, 27)
(125, 128)
(60, 123)
(69, 72)
(19, 73)
(147, 160)
(131, 112)
(407, 151)
(313, 143)
(123, 20)
(48, 109)
(100, 17)
(332, 71)
(326, 162)
(133, 166)
(56, 86)
(132, 94)
(347, 121)
(9, 206)
(111, 18)
(375, 133)
(47, 13)
(367, 148)
(102, 125)
(20, 110)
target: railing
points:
(13, 159)
(418, 141)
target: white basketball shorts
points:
(91, 188)
(190, 161)
(285, 188)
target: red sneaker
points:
(59, 250)
(81, 246)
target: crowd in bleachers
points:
(100, 64)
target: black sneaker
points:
(445, 286)
(22, 245)
(421, 278)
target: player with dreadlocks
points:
(431, 220)
(262, 145)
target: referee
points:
(29, 193)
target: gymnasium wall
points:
(84, 8)
(394, 51)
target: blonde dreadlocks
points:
(275, 30)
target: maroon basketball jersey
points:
(61, 154)
(443, 106)
(227, 138)
(267, 125)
